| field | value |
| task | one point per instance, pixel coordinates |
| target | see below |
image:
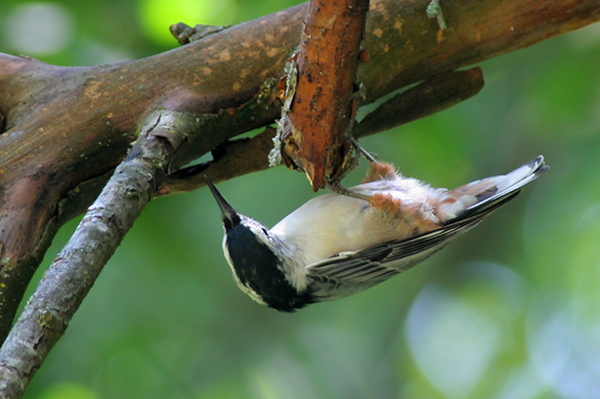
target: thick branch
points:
(239, 157)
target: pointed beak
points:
(230, 217)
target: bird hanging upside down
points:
(337, 245)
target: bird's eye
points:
(264, 231)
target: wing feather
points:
(361, 269)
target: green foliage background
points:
(508, 311)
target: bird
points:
(338, 244)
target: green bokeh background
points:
(510, 310)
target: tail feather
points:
(486, 194)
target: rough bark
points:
(238, 157)
(322, 107)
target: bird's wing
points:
(377, 263)
(381, 261)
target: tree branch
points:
(239, 157)
(431, 96)
(321, 107)
(75, 269)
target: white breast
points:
(333, 223)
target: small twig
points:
(186, 34)
(427, 98)
(232, 159)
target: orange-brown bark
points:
(322, 107)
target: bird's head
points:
(256, 259)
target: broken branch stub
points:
(322, 107)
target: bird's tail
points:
(486, 194)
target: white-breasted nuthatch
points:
(336, 245)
